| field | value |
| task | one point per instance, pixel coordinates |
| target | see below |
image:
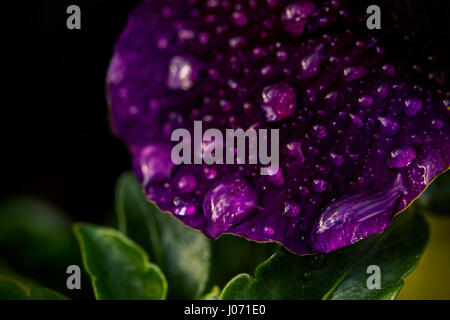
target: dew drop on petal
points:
(239, 18)
(353, 73)
(227, 203)
(294, 149)
(185, 210)
(268, 230)
(320, 185)
(295, 16)
(401, 157)
(337, 159)
(182, 73)
(187, 183)
(153, 164)
(319, 131)
(278, 101)
(291, 209)
(356, 120)
(275, 176)
(412, 106)
(389, 126)
(437, 124)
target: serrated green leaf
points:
(119, 268)
(182, 253)
(341, 274)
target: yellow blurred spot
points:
(431, 278)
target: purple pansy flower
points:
(362, 132)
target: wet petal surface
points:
(362, 131)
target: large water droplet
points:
(295, 16)
(401, 157)
(182, 73)
(153, 164)
(227, 203)
(278, 101)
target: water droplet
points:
(388, 125)
(437, 124)
(275, 176)
(182, 73)
(185, 210)
(278, 101)
(401, 157)
(337, 159)
(311, 64)
(291, 209)
(353, 73)
(294, 149)
(389, 69)
(356, 120)
(412, 106)
(365, 101)
(319, 131)
(153, 164)
(268, 230)
(307, 275)
(320, 185)
(187, 183)
(210, 173)
(304, 191)
(227, 203)
(239, 18)
(295, 16)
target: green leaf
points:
(183, 254)
(341, 274)
(119, 269)
(435, 198)
(39, 293)
(214, 294)
(11, 291)
(36, 240)
(16, 289)
(247, 255)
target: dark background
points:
(57, 144)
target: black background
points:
(56, 140)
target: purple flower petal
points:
(362, 132)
